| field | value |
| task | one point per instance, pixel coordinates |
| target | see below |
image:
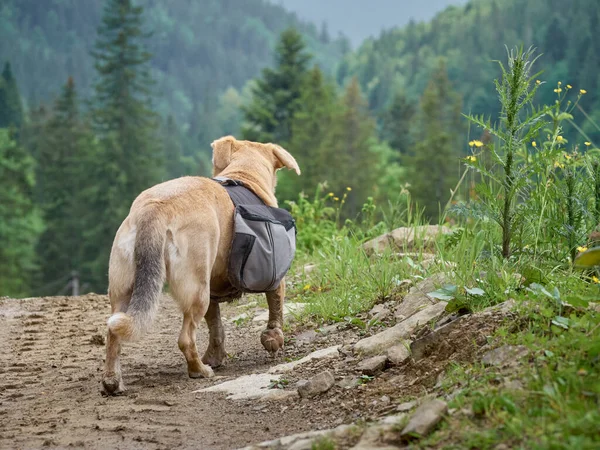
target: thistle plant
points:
(520, 121)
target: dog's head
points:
(261, 161)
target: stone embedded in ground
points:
(304, 440)
(425, 418)
(249, 386)
(372, 366)
(420, 347)
(325, 353)
(399, 353)
(404, 407)
(317, 385)
(505, 355)
(379, 312)
(392, 420)
(328, 329)
(348, 382)
(406, 239)
(308, 268)
(248, 305)
(306, 336)
(380, 342)
(417, 297)
(289, 310)
(378, 437)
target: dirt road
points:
(50, 369)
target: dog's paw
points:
(204, 372)
(272, 340)
(214, 357)
(112, 385)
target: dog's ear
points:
(222, 150)
(284, 159)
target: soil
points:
(51, 365)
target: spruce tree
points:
(432, 166)
(11, 108)
(19, 219)
(349, 154)
(130, 160)
(310, 126)
(397, 122)
(64, 156)
(276, 96)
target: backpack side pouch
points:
(263, 247)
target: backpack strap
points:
(238, 192)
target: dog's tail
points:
(148, 280)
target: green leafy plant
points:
(520, 122)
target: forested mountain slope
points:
(471, 37)
(199, 47)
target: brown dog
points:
(181, 231)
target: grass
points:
(557, 406)
(517, 238)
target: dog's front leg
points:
(272, 337)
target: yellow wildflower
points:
(330, 194)
(559, 83)
(538, 82)
(307, 287)
(567, 156)
(569, 86)
(581, 249)
(560, 139)
(558, 90)
(471, 143)
(558, 165)
(587, 144)
(471, 158)
(348, 188)
(582, 91)
(534, 144)
(476, 143)
(336, 199)
(595, 279)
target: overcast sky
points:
(359, 19)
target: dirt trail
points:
(51, 365)
(50, 370)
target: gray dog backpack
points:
(264, 241)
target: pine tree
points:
(275, 97)
(397, 122)
(130, 160)
(432, 167)
(310, 126)
(11, 108)
(20, 221)
(348, 153)
(64, 156)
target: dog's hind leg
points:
(215, 353)
(112, 380)
(193, 313)
(272, 337)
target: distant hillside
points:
(200, 47)
(470, 37)
(360, 19)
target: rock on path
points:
(425, 418)
(250, 386)
(326, 353)
(399, 332)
